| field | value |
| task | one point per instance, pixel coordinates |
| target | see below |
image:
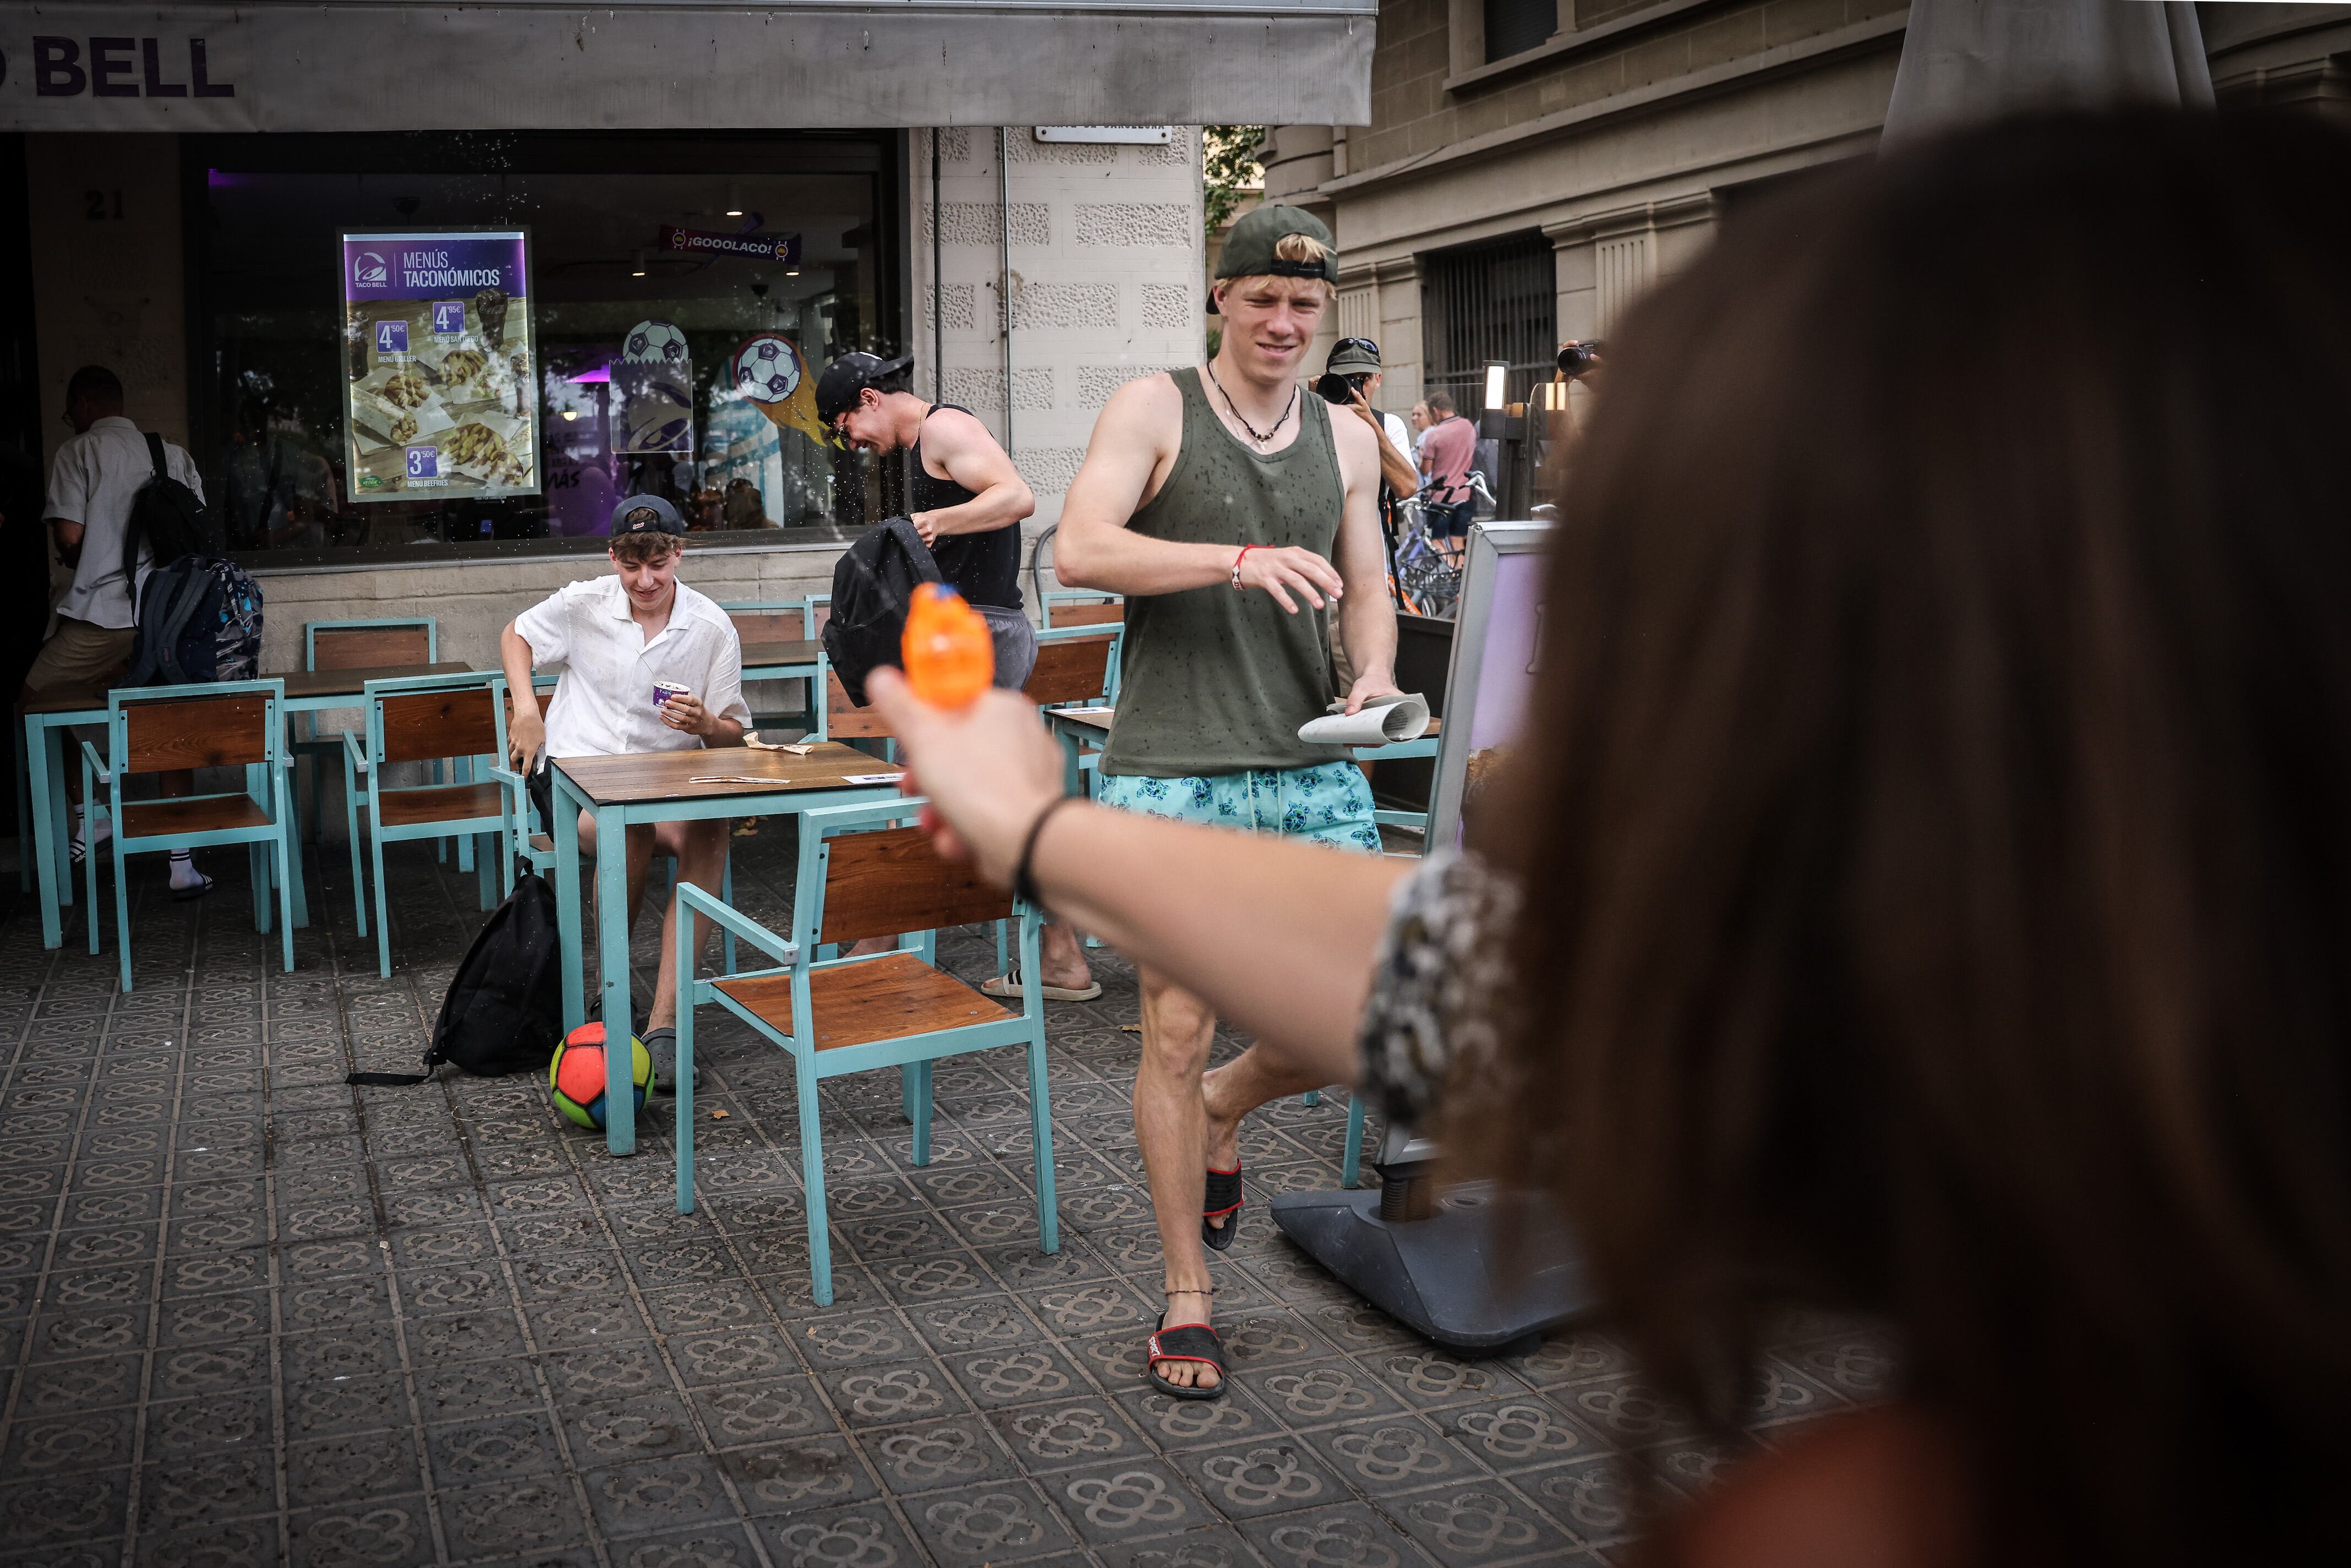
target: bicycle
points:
(1421, 580)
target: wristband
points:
(1236, 564)
(1024, 884)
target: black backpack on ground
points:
(873, 583)
(198, 614)
(504, 1012)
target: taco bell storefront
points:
(424, 289)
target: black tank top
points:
(983, 568)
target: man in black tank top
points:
(963, 496)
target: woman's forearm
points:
(1275, 935)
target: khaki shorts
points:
(80, 654)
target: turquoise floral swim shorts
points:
(1328, 803)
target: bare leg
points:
(1233, 1090)
(700, 851)
(1170, 1124)
(1062, 957)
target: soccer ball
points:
(768, 369)
(576, 1076)
(649, 340)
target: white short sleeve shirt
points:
(92, 482)
(1399, 437)
(605, 703)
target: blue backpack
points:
(198, 613)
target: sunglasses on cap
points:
(1345, 344)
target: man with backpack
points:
(94, 485)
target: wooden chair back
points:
(197, 732)
(1096, 614)
(424, 726)
(842, 721)
(1070, 670)
(769, 625)
(890, 881)
(369, 647)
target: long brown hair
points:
(1938, 820)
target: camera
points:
(1333, 386)
(1575, 359)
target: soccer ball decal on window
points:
(768, 369)
(664, 342)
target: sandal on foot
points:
(1222, 1199)
(196, 889)
(1186, 1341)
(1009, 985)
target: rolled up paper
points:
(1381, 721)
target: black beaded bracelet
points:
(1024, 884)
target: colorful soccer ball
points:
(654, 340)
(767, 369)
(576, 1076)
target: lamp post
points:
(1515, 427)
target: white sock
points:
(183, 871)
(81, 827)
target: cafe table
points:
(695, 784)
(803, 661)
(41, 806)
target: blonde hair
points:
(1294, 247)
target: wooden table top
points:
(304, 683)
(757, 655)
(662, 775)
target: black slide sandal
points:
(1186, 1342)
(1222, 1198)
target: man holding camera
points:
(1351, 378)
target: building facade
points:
(1530, 166)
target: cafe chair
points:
(213, 724)
(1080, 607)
(353, 645)
(861, 875)
(422, 719)
(782, 620)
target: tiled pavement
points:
(248, 1314)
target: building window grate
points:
(1514, 27)
(1498, 299)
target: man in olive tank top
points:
(1236, 516)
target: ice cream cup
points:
(664, 690)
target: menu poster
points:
(443, 399)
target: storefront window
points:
(676, 288)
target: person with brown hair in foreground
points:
(1923, 889)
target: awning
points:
(1967, 60)
(379, 65)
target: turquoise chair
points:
(861, 876)
(780, 621)
(423, 718)
(354, 645)
(214, 724)
(1080, 607)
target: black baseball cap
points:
(837, 389)
(646, 515)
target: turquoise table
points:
(41, 806)
(619, 792)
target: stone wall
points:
(1105, 283)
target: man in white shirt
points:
(617, 636)
(92, 483)
(1358, 359)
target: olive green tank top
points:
(1213, 680)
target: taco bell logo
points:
(369, 271)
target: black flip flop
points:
(1186, 1342)
(187, 895)
(1221, 1199)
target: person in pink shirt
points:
(1445, 454)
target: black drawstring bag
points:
(873, 583)
(503, 1011)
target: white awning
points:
(379, 65)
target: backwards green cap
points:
(1249, 246)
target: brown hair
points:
(645, 548)
(1937, 834)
